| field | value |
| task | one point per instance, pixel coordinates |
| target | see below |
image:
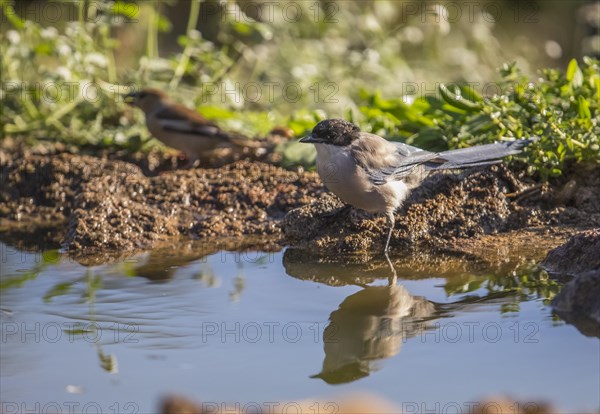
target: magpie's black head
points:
(333, 132)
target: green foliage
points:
(50, 258)
(562, 109)
(64, 83)
(295, 153)
(526, 282)
(60, 83)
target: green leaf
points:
(595, 83)
(571, 69)
(456, 100)
(9, 11)
(215, 112)
(163, 24)
(470, 94)
(78, 332)
(583, 108)
(129, 10)
(183, 40)
(296, 153)
(19, 280)
(58, 290)
(50, 257)
(44, 49)
(304, 121)
(574, 74)
(242, 28)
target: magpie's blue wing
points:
(401, 163)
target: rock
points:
(580, 254)
(579, 300)
(578, 303)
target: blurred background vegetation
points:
(437, 74)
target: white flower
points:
(235, 124)
(481, 30)
(120, 138)
(408, 99)
(63, 49)
(413, 34)
(194, 34)
(438, 15)
(306, 70)
(64, 72)
(71, 30)
(355, 58)
(96, 59)
(372, 56)
(372, 24)
(13, 36)
(49, 33)
(157, 65)
(88, 90)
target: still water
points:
(258, 327)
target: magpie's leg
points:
(390, 222)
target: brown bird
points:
(182, 128)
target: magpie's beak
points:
(309, 139)
(131, 98)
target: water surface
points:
(259, 327)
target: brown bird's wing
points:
(179, 118)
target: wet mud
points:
(449, 210)
(125, 202)
(112, 205)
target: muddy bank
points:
(449, 209)
(153, 162)
(510, 253)
(579, 258)
(120, 202)
(111, 205)
(130, 211)
(580, 254)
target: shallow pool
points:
(254, 328)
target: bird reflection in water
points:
(369, 326)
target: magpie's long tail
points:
(478, 155)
